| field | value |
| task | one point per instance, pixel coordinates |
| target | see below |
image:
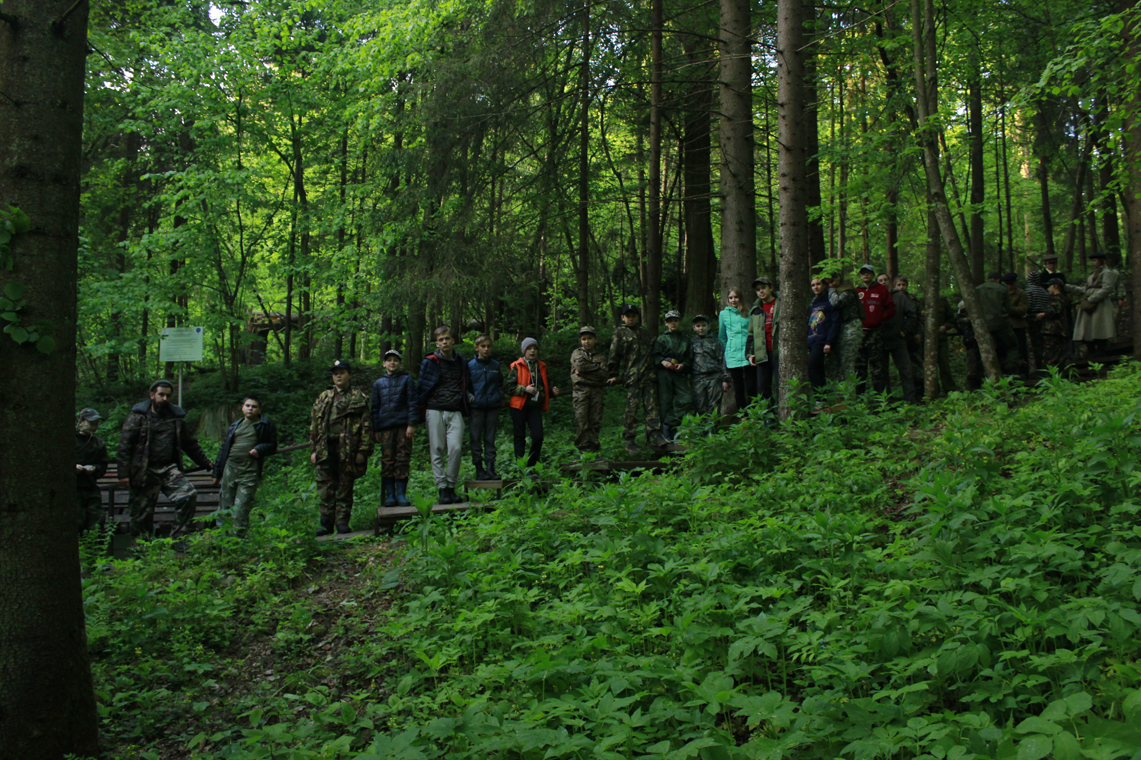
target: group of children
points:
(345, 427)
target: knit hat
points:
(1009, 277)
(161, 384)
(527, 343)
(673, 314)
(1098, 255)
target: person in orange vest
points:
(530, 393)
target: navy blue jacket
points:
(430, 375)
(823, 322)
(266, 445)
(394, 401)
(486, 383)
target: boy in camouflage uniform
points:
(673, 361)
(154, 436)
(629, 361)
(340, 432)
(710, 377)
(90, 464)
(1054, 325)
(588, 389)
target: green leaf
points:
(10, 316)
(1132, 707)
(45, 345)
(1036, 725)
(19, 334)
(1066, 747)
(20, 221)
(14, 290)
(1034, 747)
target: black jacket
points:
(135, 440)
(266, 445)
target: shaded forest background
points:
(308, 179)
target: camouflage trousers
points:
(707, 394)
(171, 483)
(236, 499)
(842, 363)
(335, 486)
(587, 404)
(870, 360)
(675, 398)
(395, 453)
(641, 392)
(90, 504)
(1055, 352)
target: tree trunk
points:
(700, 262)
(653, 278)
(816, 249)
(978, 169)
(47, 702)
(738, 211)
(925, 81)
(1131, 147)
(931, 296)
(1043, 137)
(792, 168)
(1074, 228)
(582, 271)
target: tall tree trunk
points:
(653, 279)
(342, 187)
(816, 249)
(738, 206)
(792, 92)
(47, 702)
(1110, 234)
(1074, 227)
(929, 88)
(925, 81)
(978, 169)
(1043, 139)
(126, 205)
(1131, 147)
(582, 271)
(700, 262)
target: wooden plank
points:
(343, 536)
(391, 514)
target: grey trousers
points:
(445, 444)
(483, 424)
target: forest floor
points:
(957, 579)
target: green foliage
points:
(956, 581)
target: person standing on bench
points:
(340, 432)
(239, 464)
(154, 437)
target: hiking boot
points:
(343, 528)
(490, 472)
(455, 497)
(326, 528)
(444, 497)
(632, 448)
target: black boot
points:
(490, 472)
(480, 473)
(326, 527)
(444, 498)
(343, 527)
(456, 498)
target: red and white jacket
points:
(878, 305)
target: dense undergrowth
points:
(951, 581)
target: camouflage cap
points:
(673, 314)
(341, 364)
(89, 415)
(393, 352)
(700, 318)
(586, 330)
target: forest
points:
(311, 180)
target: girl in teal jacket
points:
(733, 331)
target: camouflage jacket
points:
(630, 350)
(356, 428)
(672, 345)
(708, 357)
(90, 449)
(135, 440)
(1057, 317)
(588, 369)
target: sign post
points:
(180, 344)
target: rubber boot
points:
(402, 494)
(389, 491)
(326, 527)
